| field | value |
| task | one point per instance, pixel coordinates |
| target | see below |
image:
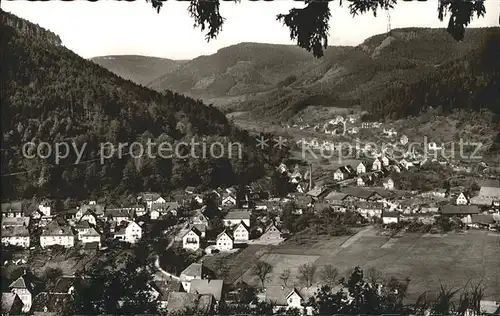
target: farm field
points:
(237, 263)
(452, 259)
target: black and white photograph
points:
(239, 157)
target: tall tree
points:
(285, 276)
(306, 273)
(329, 275)
(262, 270)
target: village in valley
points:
(284, 236)
(366, 179)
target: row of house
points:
(67, 227)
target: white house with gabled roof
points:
(224, 242)
(24, 288)
(192, 239)
(16, 236)
(462, 199)
(131, 232)
(361, 168)
(90, 236)
(241, 233)
(228, 199)
(55, 234)
(90, 217)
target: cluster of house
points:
(392, 206)
(91, 222)
(382, 200)
(366, 173)
(237, 231)
(88, 224)
(194, 289)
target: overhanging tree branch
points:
(309, 26)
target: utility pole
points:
(388, 23)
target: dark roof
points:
(95, 208)
(91, 245)
(194, 230)
(91, 232)
(213, 287)
(482, 219)
(238, 214)
(459, 209)
(172, 205)
(383, 192)
(117, 212)
(201, 227)
(495, 183)
(23, 282)
(8, 300)
(316, 192)
(15, 221)
(490, 192)
(55, 229)
(165, 287)
(178, 302)
(244, 225)
(15, 231)
(12, 207)
(82, 225)
(224, 233)
(335, 196)
(390, 214)
(358, 192)
(194, 270)
(343, 169)
(271, 226)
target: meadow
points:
(453, 259)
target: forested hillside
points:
(235, 70)
(49, 94)
(363, 75)
(471, 82)
(138, 69)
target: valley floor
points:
(453, 259)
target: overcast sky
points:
(119, 27)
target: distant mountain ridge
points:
(357, 76)
(277, 82)
(137, 68)
(235, 70)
